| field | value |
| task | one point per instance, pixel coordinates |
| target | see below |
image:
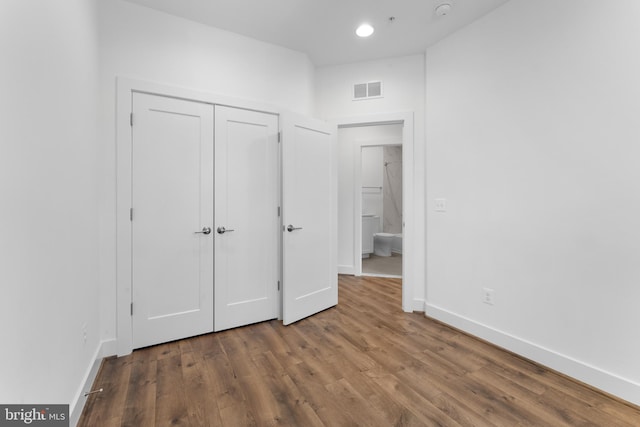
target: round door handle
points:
(290, 228)
(222, 230)
(205, 230)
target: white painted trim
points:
(125, 87)
(123, 225)
(418, 305)
(410, 240)
(357, 209)
(346, 269)
(79, 400)
(189, 94)
(109, 348)
(388, 276)
(603, 380)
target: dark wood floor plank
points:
(277, 345)
(297, 409)
(261, 400)
(207, 401)
(202, 408)
(113, 379)
(526, 398)
(316, 394)
(237, 354)
(350, 400)
(362, 363)
(171, 404)
(388, 411)
(223, 385)
(140, 407)
(238, 414)
(408, 398)
(458, 411)
(337, 341)
(583, 410)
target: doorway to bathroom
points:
(386, 129)
(372, 197)
(381, 208)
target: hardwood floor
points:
(364, 362)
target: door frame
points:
(125, 87)
(410, 240)
(359, 145)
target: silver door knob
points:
(290, 228)
(205, 230)
(222, 230)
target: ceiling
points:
(325, 29)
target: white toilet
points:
(382, 244)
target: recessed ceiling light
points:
(364, 30)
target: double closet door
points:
(210, 250)
(247, 197)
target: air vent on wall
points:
(367, 90)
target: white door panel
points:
(172, 199)
(246, 201)
(310, 207)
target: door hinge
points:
(130, 214)
(131, 119)
(279, 136)
(278, 284)
(132, 309)
(278, 210)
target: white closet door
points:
(246, 217)
(310, 279)
(172, 199)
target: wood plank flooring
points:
(362, 363)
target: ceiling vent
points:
(367, 90)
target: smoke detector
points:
(443, 9)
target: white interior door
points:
(310, 279)
(172, 200)
(247, 236)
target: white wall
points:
(49, 207)
(141, 43)
(372, 178)
(392, 198)
(404, 91)
(403, 88)
(532, 137)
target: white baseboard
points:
(418, 305)
(109, 348)
(610, 383)
(106, 348)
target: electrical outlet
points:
(441, 205)
(488, 296)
